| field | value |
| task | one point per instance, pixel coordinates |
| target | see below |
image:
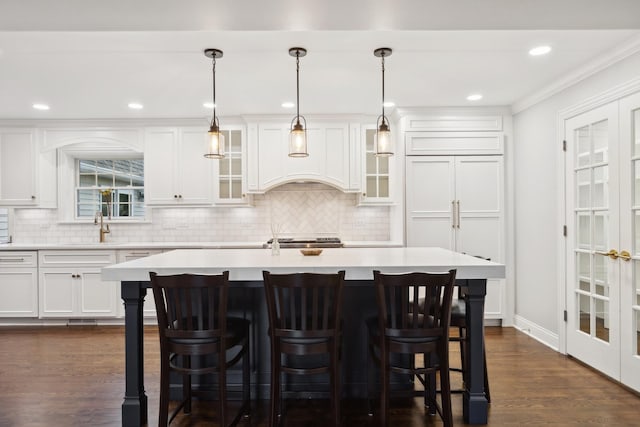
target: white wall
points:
(536, 174)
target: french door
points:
(603, 220)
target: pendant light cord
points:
(298, 86)
(213, 119)
(382, 58)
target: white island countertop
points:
(359, 263)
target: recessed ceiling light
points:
(388, 104)
(540, 50)
(209, 105)
(288, 105)
(135, 106)
(474, 97)
(42, 107)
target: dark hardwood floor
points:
(74, 376)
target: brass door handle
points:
(613, 254)
(626, 256)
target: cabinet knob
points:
(364, 194)
(180, 196)
(175, 196)
(33, 197)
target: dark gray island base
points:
(246, 299)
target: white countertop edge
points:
(359, 263)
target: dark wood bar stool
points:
(401, 329)
(304, 320)
(195, 337)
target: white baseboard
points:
(537, 332)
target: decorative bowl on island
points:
(311, 251)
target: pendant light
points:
(216, 138)
(383, 132)
(298, 132)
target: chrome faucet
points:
(103, 230)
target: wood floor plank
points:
(74, 376)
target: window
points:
(113, 187)
(4, 225)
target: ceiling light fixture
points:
(474, 97)
(298, 132)
(208, 105)
(42, 107)
(383, 132)
(540, 50)
(216, 138)
(135, 106)
(288, 105)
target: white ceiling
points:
(88, 59)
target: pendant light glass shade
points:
(383, 143)
(215, 145)
(215, 142)
(298, 132)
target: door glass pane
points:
(636, 132)
(600, 272)
(224, 166)
(636, 318)
(583, 230)
(583, 181)
(583, 146)
(236, 188)
(236, 166)
(224, 188)
(636, 183)
(584, 270)
(600, 187)
(602, 319)
(384, 186)
(636, 228)
(600, 135)
(637, 281)
(372, 190)
(600, 230)
(584, 312)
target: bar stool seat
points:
(195, 338)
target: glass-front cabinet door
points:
(231, 169)
(376, 187)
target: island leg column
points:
(474, 401)
(134, 407)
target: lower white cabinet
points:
(70, 285)
(18, 284)
(149, 305)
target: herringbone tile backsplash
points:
(298, 210)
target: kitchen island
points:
(245, 273)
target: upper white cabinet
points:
(457, 135)
(333, 156)
(376, 172)
(27, 174)
(176, 171)
(231, 171)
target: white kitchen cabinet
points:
(70, 285)
(149, 309)
(230, 171)
(376, 172)
(331, 156)
(176, 171)
(457, 203)
(18, 284)
(27, 175)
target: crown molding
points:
(630, 47)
